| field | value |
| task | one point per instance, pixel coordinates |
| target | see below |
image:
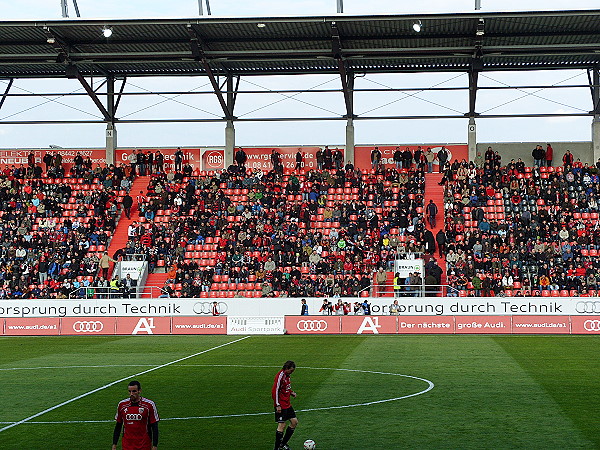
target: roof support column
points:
(111, 129)
(229, 127)
(472, 138)
(472, 127)
(349, 153)
(595, 87)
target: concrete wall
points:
(515, 150)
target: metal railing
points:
(410, 290)
(102, 292)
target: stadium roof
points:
(302, 45)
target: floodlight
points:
(107, 32)
(480, 28)
(261, 25)
(417, 26)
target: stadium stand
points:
(522, 231)
(254, 234)
(54, 226)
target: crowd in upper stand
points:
(286, 233)
(522, 231)
(509, 229)
(52, 224)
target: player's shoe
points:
(285, 447)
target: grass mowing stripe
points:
(116, 382)
(566, 368)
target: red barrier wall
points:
(40, 326)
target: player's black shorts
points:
(284, 415)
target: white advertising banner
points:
(406, 267)
(132, 268)
(255, 325)
(279, 307)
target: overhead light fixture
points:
(107, 32)
(417, 26)
(261, 25)
(480, 28)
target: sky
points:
(276, 105)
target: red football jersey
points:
(136, 420)
(282, 389)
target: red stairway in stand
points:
(156, 280)
(119, 239)
(435, 192)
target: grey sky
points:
(299, 133)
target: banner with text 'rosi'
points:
(279, 307)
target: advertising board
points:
(199, 325)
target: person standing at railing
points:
(397, 285)
(380, 281)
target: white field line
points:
(430, 386)
(27, 419)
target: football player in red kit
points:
(140, 418)
(281, 392)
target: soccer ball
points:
(309, 444)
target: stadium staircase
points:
(384, 291)
(156, 281)
(435, 192)
(119, 239)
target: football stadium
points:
(365, 292)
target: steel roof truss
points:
(10, 82)
(346, 76)
(197, 49)
(76, 74)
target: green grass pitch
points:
(490, 392)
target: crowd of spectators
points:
(54, 225)
(280, 233)
(514, 230)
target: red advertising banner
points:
(540, 325)
(260, 157)
(199, 325)
(482, 324)
(312, 324)
(143, 325)
(213, 159)
(88, 325)
(426, 324)
(369, 324)
(190, 155)
(362, 154)
(32, 326)
(585, 324)
(17, 157)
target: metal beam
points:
(594, 79)
(336, 48)
(110, 98)
(476, 67)
(120, 94)
(10, 83)
(91, 93)
(200, 56)
(293, 119)
(232, 92)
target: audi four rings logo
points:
(591, 325)
(311, 325)
(84, 326)
(206, 307)
(133, 417)
(588, 307)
